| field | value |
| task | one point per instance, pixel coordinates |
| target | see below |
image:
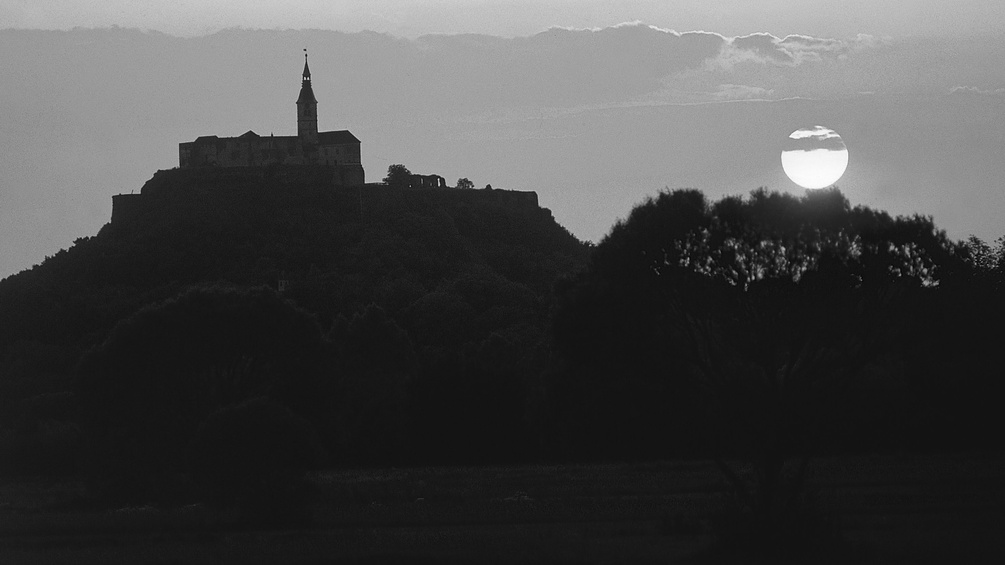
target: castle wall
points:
(426, 181)
(350, 175)
(251, 150)
(126, 206)
(279, 178)
(339, 154)
(244, 151)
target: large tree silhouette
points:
(162, 371)
(764, 328)
(398, 175)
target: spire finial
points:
(307, 70)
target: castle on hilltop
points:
(250, 167)
(338, 150)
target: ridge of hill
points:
(493, 255)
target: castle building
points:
(338, 150)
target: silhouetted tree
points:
(951, 356)
(781, 370)
(464, 183)
(986, 263)
(373, 366)
(398, 175)
(163, 370)
(767, 328)
(253, 456)
(478, 346)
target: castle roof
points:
(339, 137)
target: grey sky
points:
(410, 18)
(594, 121)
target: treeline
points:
(782, 326)
(160, 355)
(771, 330)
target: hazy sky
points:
(508, 18)
(594, 121)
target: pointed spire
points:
(306, 92)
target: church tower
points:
(307, 109)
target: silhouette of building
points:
(426, 181)
(338, 150)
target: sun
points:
(814, 157)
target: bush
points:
(253, 456)
(165, 369)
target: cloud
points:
(741, 92)
(814, 138)
(977, 91)
(815, 132)
(762, 47)
(632, 23)
(791, 50)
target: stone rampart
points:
(191, 182)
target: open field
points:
(891, 509)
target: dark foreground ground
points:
(889, 509)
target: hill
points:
(248, 230)
(450, 267)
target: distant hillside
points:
(493, 254)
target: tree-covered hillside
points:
(457, 272)
(338, 250)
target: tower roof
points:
(306, 92)
(306, 95)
